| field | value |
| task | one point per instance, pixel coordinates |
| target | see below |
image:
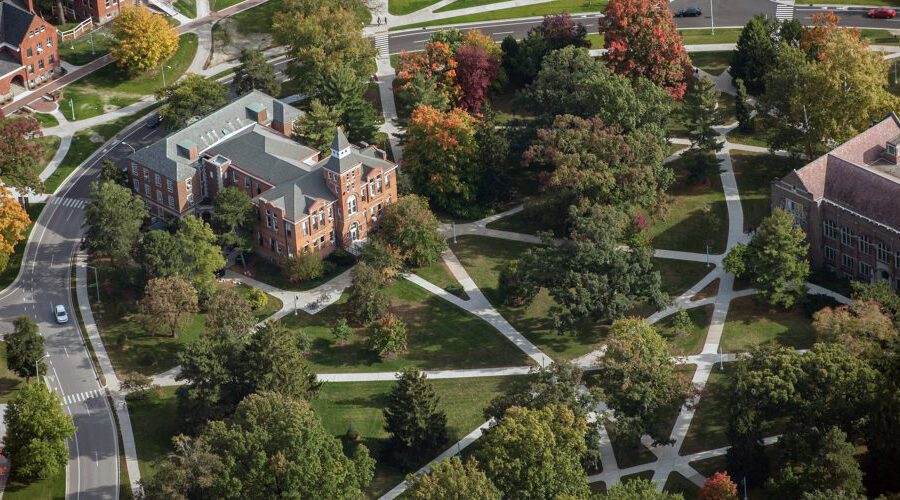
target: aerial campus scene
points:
(449, 249)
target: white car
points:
(61, 316)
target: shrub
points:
(257, 298)
(303, 267)
(514, 285)
(682, 324)
(304, 343)
(341, 331)
(388, 337)
(342, 258)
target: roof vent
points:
(188, 149)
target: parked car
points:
(153, 121)
(882, 13)
(60, 313)
(689, 12)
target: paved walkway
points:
(310, 301)
(386, 75)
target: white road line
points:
(504, 32)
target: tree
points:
(275, 347)
(522, 60)
(755, 53)
(167, 304)
(413, 229)
(880, 292)
(343, 90)
(701, 113)
(820, 462)
(360, 120)
(112, 173)
(638, 379)
(642, 40)
(233, 214)
(742, 108)
(436, 63)
(229, 314)
(257, 299)
(421, 90)
(141, 40)
(366, 299)
(14, 220)
(341, 85)
(159, 254)
(321, 40)
(25, 349)
(719, 486)
(21, 155)
(477, 38)
(515, 285)
(36, 433)
(560, 30)
(475, 71)
(774, 260)
(536, 453)
(384, 257)
(112, 221)
(639, 489)
(388, 336)
(256, 73)
(201, 256)
(861, 326)
(192, 96)
(412, 418)
(136, 385)
(813, 40)
(452, 480)
(274, 446)
(317, 126)
(341, 332)
(304, 266)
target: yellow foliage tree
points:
(142, 40)
(13, 222)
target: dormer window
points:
(891, 150)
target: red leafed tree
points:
(718, 487)
(641, 40)
(814, 38)
(436, 62)
(561, 30)
(475, 71)
(20, 152)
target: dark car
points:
(882, 13)
(153, 121)
(689, 12)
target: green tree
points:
(186, 472)
(304, 266)
(25, 349)
(384, 257)
(256, 73)
(209, 368)
(638, 379)
(366, 299)
(167, 305)
(882, 428)
(192, 96)
(774, 260)
(388, 336)
(862, 327)
(422, 91)
(317, 126)
(159, 254)
(234, 215)
(742, 107)
(823, 462)
(535, 454)
(701, 113)
(452, 480)
(341, 331)
(412, 418)
(201, 255)
(112, 221)
(36, 433)
(755, 53)
(515, 285)
(413, 229)
(21, 153)
(342, 90)
(880, 292)
(228, 313)
(257, 299)
(275, 347)
(112, 173)
(639, 489)
(359, 120)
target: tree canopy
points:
(452, 480)
(36, 433)
(14, 221)
(25, 349)
(188, 98)
(255, 73)
(112, 221)
(141, 40)
(20, 153)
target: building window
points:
(158, 180)
(147, 189)
(40, 64)
(305, 228)
(28, 52)
(52, 60)
(351, 205)
(848, 262)
(171, 201)
(247, 182)
(830, 254)
(159, 197)
(137, 185)
(190, 199)
(268, 218)
(31, 69)
(170, 186)
(287, 228)
(134, 169)
(234, 176)
(882, 252)
(278, 247)
(331, 236)
(829, 229)
(387, 180)
(865, 244)
(847, 236)
(865, 270)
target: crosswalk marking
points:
(382, 45)
(81, 396)
(68, 202)
(784, 10)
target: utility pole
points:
(712, 17)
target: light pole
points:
(453, 225)
(295, 304)
(707, 253)
(72, 105)
(37, 373)
(130, 146)
(163, 68)
(712, 17)
(96, 281)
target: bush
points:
(303, 267)
(341, 332)
(816, 302)
(257, 298)
(514, 285)
(342, 258)
(388, 337)
(682, 324)
(304, 343)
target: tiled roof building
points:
(28, 48)
(848, 202)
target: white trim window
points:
(170, 186)
(882, 252)
(830, 254)
(829, 229)
(352, 205)
(847, 236)
(848, 262)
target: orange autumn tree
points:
(477, 38)
(436, 63)
(813, 39)
(718, 487)
(14, 221)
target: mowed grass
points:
(440, 336)
(541, 9)
(680, 275)
(86, 48)
(15, 260)
(676, 483)
(690, 342)
(756, 136)
(186, 7)
(401, 7)
(696, 215)
(10, 383)
(110, 88)
(46, 120)
(258, 19)
(155, 417)
(705, 35)
(360, 404)
(714, 63)
(438, 274)
(754, 173)
(751, 323)
(52, 488)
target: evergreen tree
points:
(316, 127)
(341, 331)
(755, 53)
(742, 107)
(25, 349)
(412, 418)
(366, 298)
(818, 462)
(112, 221)
(256, 73)
(701, 113)
(359, 120)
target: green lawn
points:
(15, 260)
(676, 483)
(258, 19)
(402, 7)
(542, 9)
(268, 272)
(215, 5)
(438, 274)
(360, 403)
(691, 342)
(46, 120)
(695, 215)
(440, 336)
(754, 173)
(186, 7)
(53, 488)
(10, 383)
(109, 88)
(515, 223)
(705, 36)
(751, 323)
(86, 48)
(156, 419)
(483, 258)
(758, 136)
(714, 63)
(679, 275)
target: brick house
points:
(100, 11)
(848, 202)
(305, 203)
(28, 48)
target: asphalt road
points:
(93, 469)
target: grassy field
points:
(438, 274)
(754, 173)
(440, 336)
(156, 417)
(186, 7)
(705, 36)
(676, 483)
(46, 120)
(258, 19)
(109, 88)
(52, 488)
(695, 215)
(15, 260)
(10, 383)
(691, 342)
(402, 7)
(758, 136)
(542, 9)
(341, 404)
(679, 275)
(86, 48)
(714, 63)
(751, 323)
(270, 273)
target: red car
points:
(882, 13)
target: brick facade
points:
(101, 11)
(29, 55)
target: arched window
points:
(351, 205)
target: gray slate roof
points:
(8, 63)
(265, 154)
(296, 196)
(365, 156)
(14, 22)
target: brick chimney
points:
(278, 120)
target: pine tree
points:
(755, 53)
(359, 120)
(412, 418)
(341, 331)
(742, 108)
(701, 114)
(316, 127)
(25, 349)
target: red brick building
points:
(28, 49)
(305, 203)
(100, 11)
(848, 202)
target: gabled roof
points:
(14, 22)
(266, 154)
(357, 156)
(295, 197)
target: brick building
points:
(100, 11)
(848, 202)
(28, 48)
(305, 203)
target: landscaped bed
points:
(751, 323)
(754, 173)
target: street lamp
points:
(72, 105)
(163, 68)
(37, 373)
(96, 281)
(453, 225)
(708, 243)
(130, 146)
(295, 304)
(712, 17)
